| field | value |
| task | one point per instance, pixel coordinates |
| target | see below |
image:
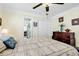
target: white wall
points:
(13, 20)
(68, 16)
(44, 28)
(14, 23)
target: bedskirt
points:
(41, 47)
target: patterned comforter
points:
(41, 47)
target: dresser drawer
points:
(68, 38)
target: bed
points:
(40, 47)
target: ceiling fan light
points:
(47, 8)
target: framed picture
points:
(0, 21)
(75, 21)
(61, 19)
(35, 24)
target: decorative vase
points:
(61, 27)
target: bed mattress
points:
(41, 47)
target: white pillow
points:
(2, 46)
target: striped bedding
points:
(40, 47)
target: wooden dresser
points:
(66, 37)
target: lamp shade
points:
(4, 31)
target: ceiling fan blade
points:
(58, 3)
(37, 5)
(47, 8)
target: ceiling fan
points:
(47, 6)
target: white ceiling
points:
(27, 7)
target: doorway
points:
(27, 28)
